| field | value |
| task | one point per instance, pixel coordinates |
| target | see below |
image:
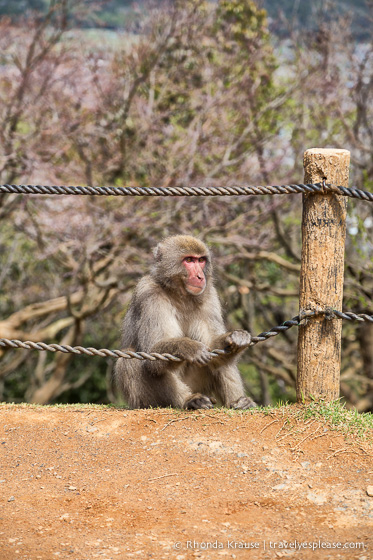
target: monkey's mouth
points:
(195, 290)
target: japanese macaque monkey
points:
(176, 310)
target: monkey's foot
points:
(197, 401)
(243, 403)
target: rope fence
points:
(300, 188)
(106, 353)
(189, 191)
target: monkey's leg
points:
(141, 389)
(170, 390)
(229, 387)
(165, 390)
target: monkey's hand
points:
(243, 403)
(236, 341)
(197, 401)
(194, 352)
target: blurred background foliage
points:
(186, 93)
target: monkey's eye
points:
(195, 259)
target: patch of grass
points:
(336, 414)
(333, 414)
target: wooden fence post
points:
(322, 271)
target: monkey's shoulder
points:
(149, 292)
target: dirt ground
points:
(81, 483)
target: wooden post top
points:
(326, 151)
(330, 164)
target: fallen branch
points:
(268, 425)
(174, 420)
(163, 476)
(304, 439)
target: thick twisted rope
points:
(188, 191)
(105, 353)
(348, 315)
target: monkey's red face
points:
(196, 279)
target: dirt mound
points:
(84, 483)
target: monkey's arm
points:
(192, 351)
(229, 382)
(159, 331)
(233, 342)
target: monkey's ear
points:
(157, 252)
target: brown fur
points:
(163, 317)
